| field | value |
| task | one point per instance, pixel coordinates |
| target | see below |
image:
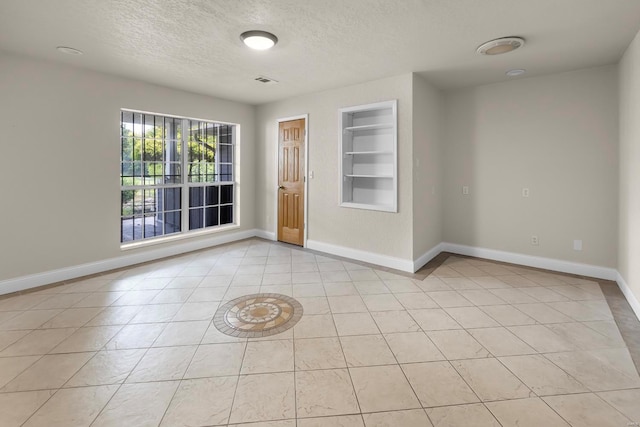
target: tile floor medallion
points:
(257, 315)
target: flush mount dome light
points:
(258, 40)
(500, 46)
(69, 50)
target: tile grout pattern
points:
(467, 340)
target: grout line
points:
(130, 372)
(346, 364)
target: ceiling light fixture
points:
(500, 46)
(258, 40)
(515, 72)
(69, 50)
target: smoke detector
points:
(500, 46)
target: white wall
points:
(60, 160)
(382, 233)
(427, 167)
(629, 232)
(556, 135)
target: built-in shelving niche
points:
(368, 151)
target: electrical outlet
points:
(465, 190)
(525, 192)
(535, 241)
(577, 245)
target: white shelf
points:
(369, 176)
(368, 152)
(384, 208)
(368, 155)
(369, 127)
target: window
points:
(165, 192)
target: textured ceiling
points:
(194, 44)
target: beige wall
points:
(60, 160)
(556, 135)
(629, 232)
(378, 232)
(427, 166)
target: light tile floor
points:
(475, 343)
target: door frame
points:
(306, 174)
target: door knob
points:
(281, 187)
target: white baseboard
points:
(426, 257)
(628, 293)
(533, 261)
(264, 234)
(129, 258)
(370, 257)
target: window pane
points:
(152, 227)
(126, 124)
(127, 229)
(126, 205)
(172, 222)
(149, 125)
(152, 150)
(195, 218)
(226, 194)
(172, 173)
(172, 199)
(211, 216)
(131, 229)
(211, 195)
(135, 204)
(195, 152)
(209, 169)
(126, 149)
(226, 134)
(197, 172)
(196, 196)
(138, 129)
(127, 170)
(126, 234)
(226, 173)
(137, 168)
(160, 129)
(225, 153)
(226, 214)
(153, 171)
(151, 201)
(172, 151)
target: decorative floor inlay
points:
(257, 315)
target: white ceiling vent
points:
(263, 79)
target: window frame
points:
(185, 185)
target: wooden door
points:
(291, 174)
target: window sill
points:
(177, 237)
